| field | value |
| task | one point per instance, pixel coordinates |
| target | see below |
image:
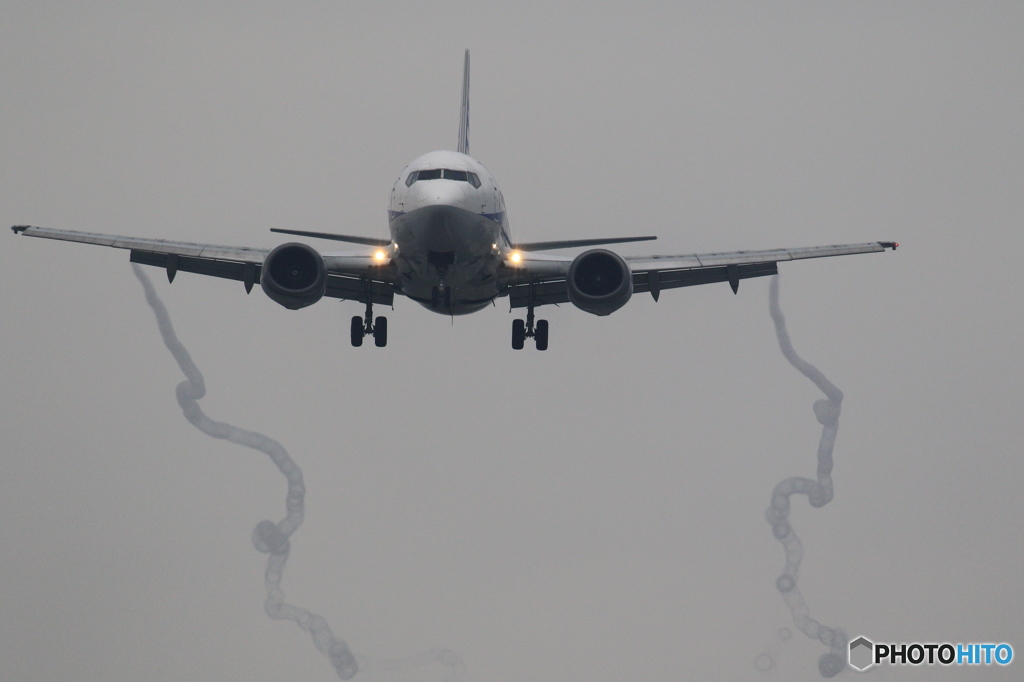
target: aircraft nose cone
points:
(439, 228)
(440, 193)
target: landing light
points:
(516, 257)
(380, 255)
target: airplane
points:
(451, 251)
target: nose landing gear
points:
(441, 294)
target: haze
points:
(593, 512)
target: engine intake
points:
(599, 282)
(294, 275)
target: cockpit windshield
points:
(443, 174)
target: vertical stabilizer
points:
(464, 114)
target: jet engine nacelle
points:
(599, 282)
(294, 275)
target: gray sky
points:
(594, 512)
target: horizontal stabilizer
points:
(369, 241)
(568, 244)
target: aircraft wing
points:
(546, 275)
(349, 274)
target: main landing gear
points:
(367, 326)
(379, 331)
(521, 330)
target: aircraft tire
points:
(357, 331)
(380, 332)
(541, 335)
(518, 334)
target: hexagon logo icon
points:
(862, 652)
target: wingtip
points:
(18, 229)
(890, 245)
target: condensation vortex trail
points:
(269, 537)
(819, 493)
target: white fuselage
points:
(449, 232)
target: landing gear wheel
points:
(540, 335)
(518, 334)
(380, 332)
(357, 331)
